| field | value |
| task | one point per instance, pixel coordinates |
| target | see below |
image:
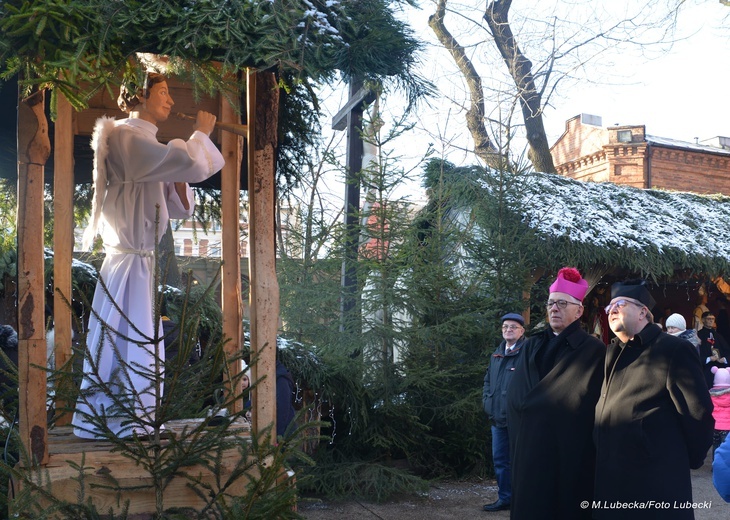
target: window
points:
(624, 136)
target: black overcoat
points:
(551, 423)
(653, 423)
(706, 351)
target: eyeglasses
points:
(511, 327)
(562, 304)
(620, 304)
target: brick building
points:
(627, 155)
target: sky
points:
(678, 91)
(682, 94)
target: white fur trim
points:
(715, 391)
(100, 145)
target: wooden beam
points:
(63, 243)
(263, 103)
(232, 149)
(361, 96)
(349, 314)
(115, 482)
(34, 147)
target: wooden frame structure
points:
(33, 150)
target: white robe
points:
(140, 172)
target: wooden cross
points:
(350, 117)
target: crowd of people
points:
(591, 425)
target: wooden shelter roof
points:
(64, 48)
(652, 233)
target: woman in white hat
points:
(677, 326)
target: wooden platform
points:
(112, 478)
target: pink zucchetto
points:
(569, 281)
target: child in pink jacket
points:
(720, 393)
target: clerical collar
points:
(643, 336)
(567, 330)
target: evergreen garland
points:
(70, 43)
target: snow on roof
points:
(684, 145)
(650, 231)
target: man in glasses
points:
(494, 399)
(654, 417)
(714, 350)
(551, 405)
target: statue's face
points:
(156, 108)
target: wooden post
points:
(232, 149)
(263, 106)
(63, 243)
(34, 147)
(349, 118)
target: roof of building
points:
(684, 145)
(648, 232)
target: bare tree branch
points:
(483, 146)
(564, 38)
(520, 69)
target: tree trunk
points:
(483, 146)
(520, 69)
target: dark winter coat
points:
(691, 336)
(718, 342)
(8, 366)
(496, 380)
(653, 423)
(550, 424)
(284, 398)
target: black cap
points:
(636, 289)
(514, 317)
